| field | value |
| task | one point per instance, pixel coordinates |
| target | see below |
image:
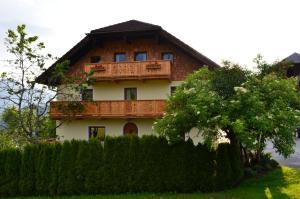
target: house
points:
(294, 71)
(137, 66)
(294, 61)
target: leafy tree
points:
(266, 108)
(6, 141)
(279, 68)
(200, 100)
(249, 107)
(20, 89)
(10, 121)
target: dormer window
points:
(120, 57)
(95, 59)
(167, 56)
(140, 56)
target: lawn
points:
(281, 183)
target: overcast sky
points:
(233, 30)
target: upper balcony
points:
(136, 70)
(112, 109)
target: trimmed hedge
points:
(119, 165)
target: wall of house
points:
(152, 89)
(146, 90)
(183, 64)
(78, 129)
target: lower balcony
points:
(108, 109)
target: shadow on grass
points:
(271, 185)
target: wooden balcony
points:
(111, 109)
(140, 70)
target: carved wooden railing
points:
(111, 109)
(160, 69)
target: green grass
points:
(281, 183)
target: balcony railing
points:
(111, 109)
(160, 69)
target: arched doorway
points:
(130, 129)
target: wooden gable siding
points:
(181, 67)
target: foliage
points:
(225, 79)
(10, 118)
(6, 141)
(94, 174)
(122, 165)
(28, 167)
(21, 91)
(224, 169)
(248, 107)
(194, 101)
(266, 108)
(278, 68)
(11, 172)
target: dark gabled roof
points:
(127, 26)
(293, 58)
(132, 26)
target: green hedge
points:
(119, 165)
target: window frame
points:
(118, 53)
(98, 56)
(163, 53)
(171, 89)
(89, 132)
(136, 93)
(88, 89)
(140, 52)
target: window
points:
(95, 59)
(173, 88)
(120, 57)
(167, 56)
(87, 95)
(97, 132)
(130, 93)
(140, 56)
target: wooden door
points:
(130, 129)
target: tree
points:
(10, 120)
(249, 107)
(6, 142)
(266, 108)
(15, 136)
(20, 89)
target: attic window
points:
(167, 56)
(120, 57)
(140, 56)
(95, 59)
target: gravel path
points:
(292, 161)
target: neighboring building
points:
(137, 65)
(294, 71)
(294, 61)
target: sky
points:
(235, 30)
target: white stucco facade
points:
(146, 90)
(78, 129)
